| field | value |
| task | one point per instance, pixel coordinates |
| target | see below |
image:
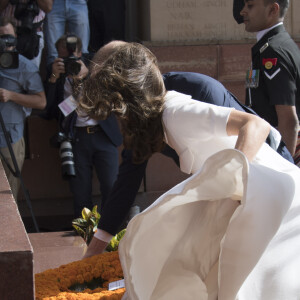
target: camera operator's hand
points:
(45, 5)
(58, 67)
(4, 95)
(37, 100)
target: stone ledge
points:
(53, 249)
(16, 254)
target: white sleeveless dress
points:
(231, 231)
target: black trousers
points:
(107, 22)
(93, 151)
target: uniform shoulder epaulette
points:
(264, 47)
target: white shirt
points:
(261, 33)
(82, 120)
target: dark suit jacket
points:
(55, 95)
(203, 88)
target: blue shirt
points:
(24, 80)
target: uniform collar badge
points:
(264, 47)
(269, 62)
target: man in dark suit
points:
(200, 87)
(94, 143)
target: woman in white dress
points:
(231, 230)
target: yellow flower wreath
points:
(59, 283)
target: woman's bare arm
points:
(251, 130)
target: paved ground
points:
(57, 244)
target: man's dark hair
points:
(7, 20)
(283, 4)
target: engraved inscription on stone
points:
(193, 20)
(197, 20)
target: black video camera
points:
(72, 67)
(28, 39)
(9, 59)
(26, 12)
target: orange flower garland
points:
(54, 284)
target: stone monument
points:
(200, 21)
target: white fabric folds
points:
(229, 232)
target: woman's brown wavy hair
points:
(129, 84)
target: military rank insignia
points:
(264, 47)
(252, 78)
(271, 68)
(269, 63)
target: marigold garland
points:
(54, 284)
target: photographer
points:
(93, 143)
(21, 89)
(70, 14)
(29, 16)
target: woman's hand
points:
(95, 247)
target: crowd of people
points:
(67, 33)
(221, 234)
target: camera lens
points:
(67, 159)
(6, 60)
(2, 45)
(72, 67)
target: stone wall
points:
(202, 36)
(227, 63)
(200, 21)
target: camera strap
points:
(6, 133)
(38, 25)
(35, 27)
